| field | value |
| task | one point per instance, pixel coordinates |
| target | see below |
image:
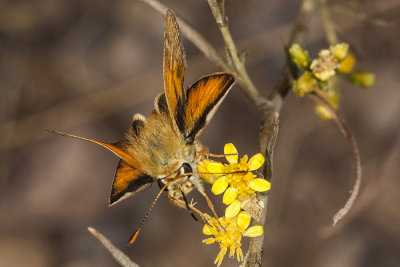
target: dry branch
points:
(354, 151)
(117, 254)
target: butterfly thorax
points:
(156, 147)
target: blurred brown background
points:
(86, 67)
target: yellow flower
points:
(236, 178)
(324, 66)
(230, 236)
(340, 51)
(348, 63)
(305, 84)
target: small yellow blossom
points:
(299, 56)
(324, 66)
(347, 65)
(305, 84)
(340, 51)
(230, 236)
(363, 78)
(236, 178)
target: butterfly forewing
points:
(174, 70)
(203, 98)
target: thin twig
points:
(253, 255)
(243, 78)
(270, 125)
(331, 37)
(329, 27)
(284, 84)
(354, 152)
(117, 254)
(381, 176)
(300, 26)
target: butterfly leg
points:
(182, 204)
(209, 203)
(188, 207)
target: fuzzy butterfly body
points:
(164, 146)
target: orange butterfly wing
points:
(203, 98)
(174, 70)
(127, 182)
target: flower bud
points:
(363, 78)
(299, 56)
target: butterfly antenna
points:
(188, 207)
(136, 233)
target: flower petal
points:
(260, 185)
(231, 149)
(231, 251)
(215, 167)
(347, 65)
(239, 254)
(220, 185)
(207, 230)
(256, 162)
(244, 159)
(209, 241)
(220, 256)
(230, 195)
(243, 220)
(204, 173)
(233, 209)
(254, 231)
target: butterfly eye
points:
(186, 168)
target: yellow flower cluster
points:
(319, 73)
(238, 184)
(236, 178)
(230, 236)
